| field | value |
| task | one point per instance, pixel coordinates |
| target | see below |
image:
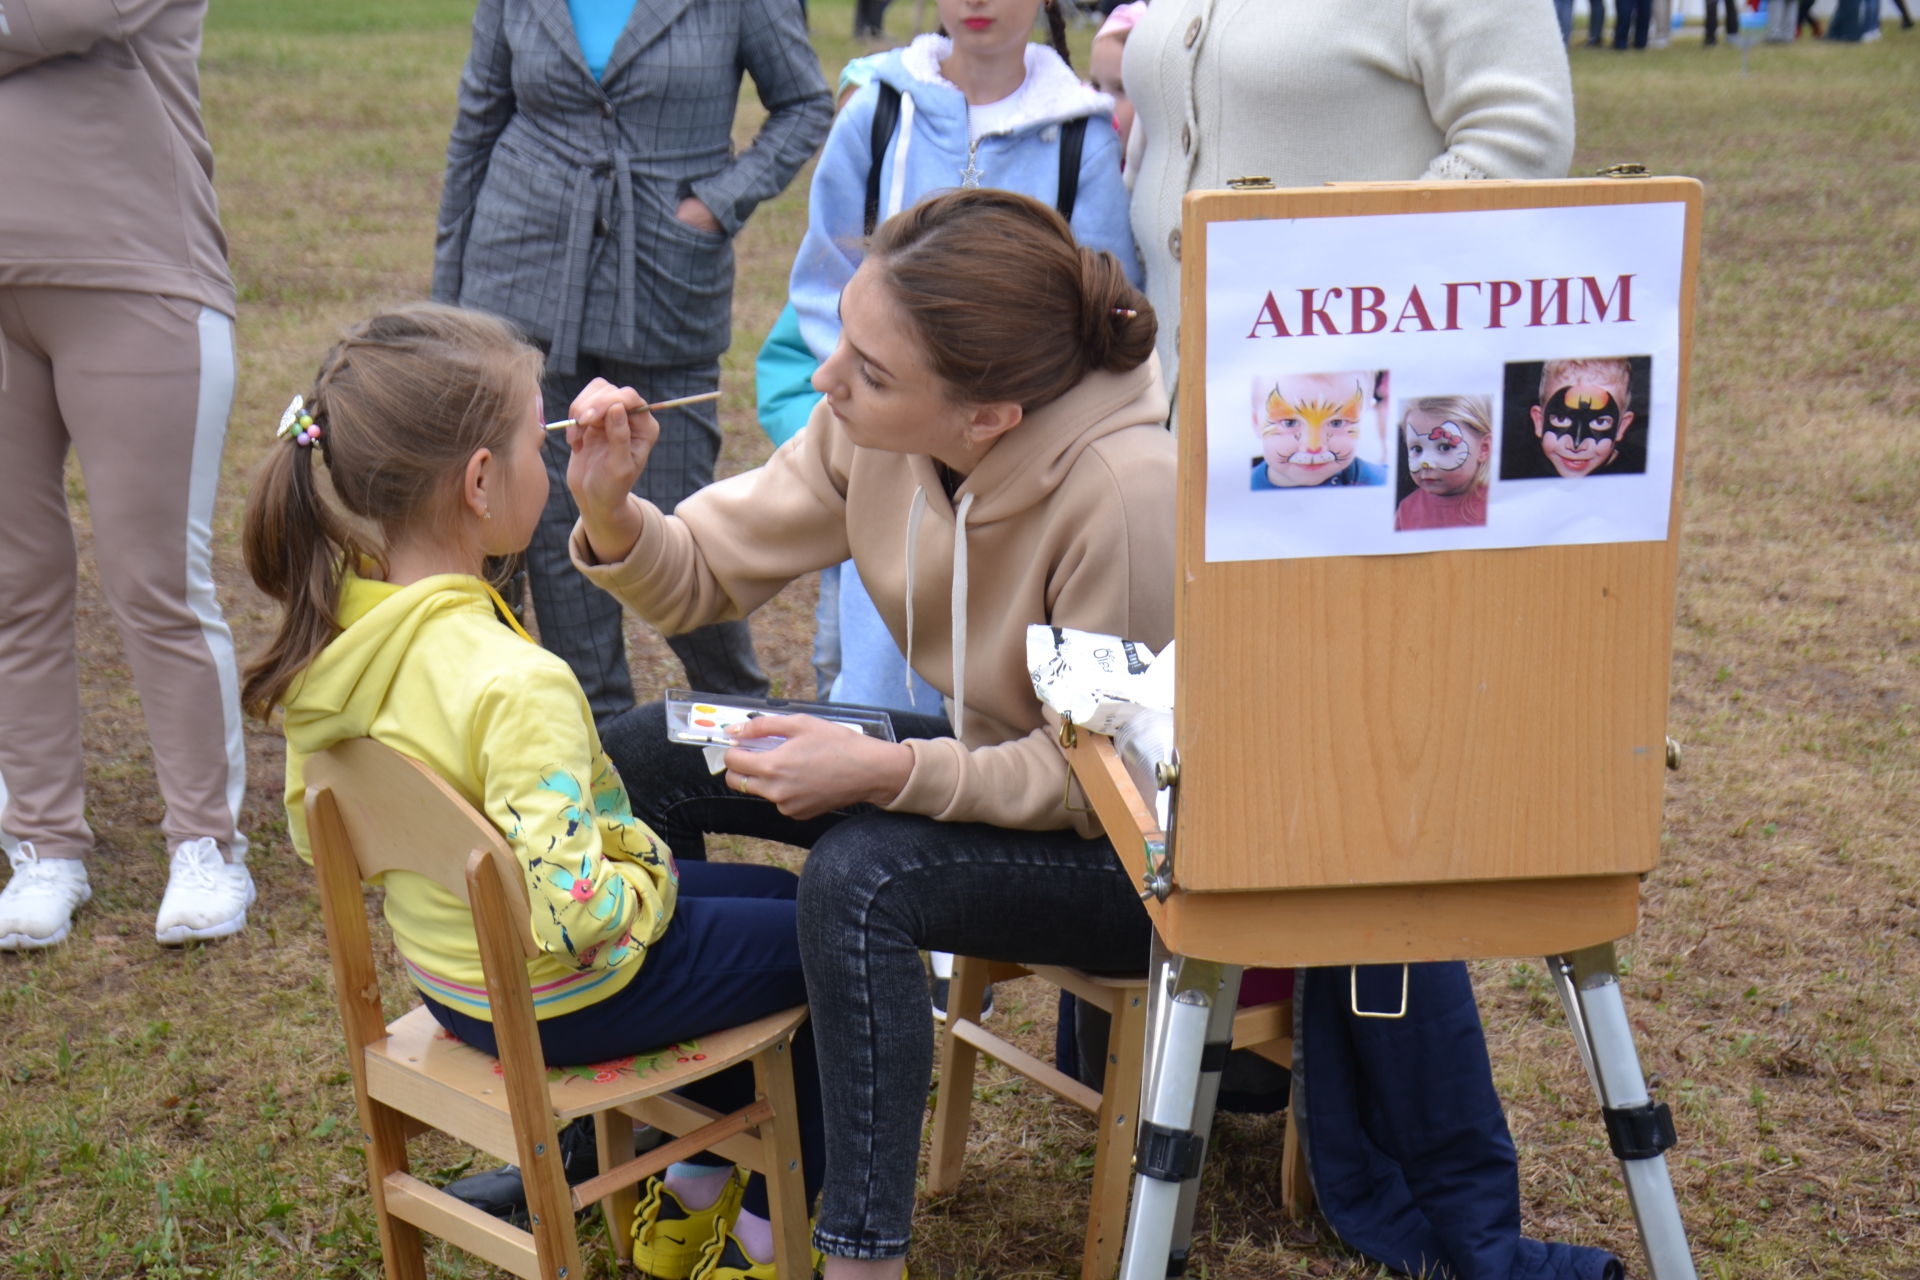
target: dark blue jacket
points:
(1409, 1150)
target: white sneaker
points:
(207, 897)
(36, 907)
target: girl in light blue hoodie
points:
(980, 107)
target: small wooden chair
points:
(1265, 1029)
(371, 810)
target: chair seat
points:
(419, 1060)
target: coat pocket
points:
(683, 276)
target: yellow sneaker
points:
(669, 1239)
(724, 1259)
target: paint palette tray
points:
(702, 719)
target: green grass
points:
(187, 1113)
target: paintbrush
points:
(703, 397)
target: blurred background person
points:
(116, 341)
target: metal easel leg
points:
(1639, 1129)
(1190, 1023)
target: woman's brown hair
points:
(402, 401)
(1006, 303)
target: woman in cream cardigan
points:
(1349, 91)
(1359, 90)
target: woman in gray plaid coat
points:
(591, 196)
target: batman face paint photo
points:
(1309, 426)
(1444, 457)
(1580, 427)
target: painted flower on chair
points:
(641, 1064)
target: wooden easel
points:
(1401, 817)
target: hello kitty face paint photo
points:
(1444, 457)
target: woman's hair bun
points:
(1117, 325)
(1008, 306)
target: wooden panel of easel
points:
(1387, 720)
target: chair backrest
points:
(398, 815)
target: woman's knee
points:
(635, 734)
(846, 875)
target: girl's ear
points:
(988, 422)
(478, 485)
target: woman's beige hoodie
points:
(1068, 519)
(107, 170)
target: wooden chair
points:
(1265, 1029)
(371, 811)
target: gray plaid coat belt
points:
(558, 207)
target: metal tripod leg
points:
(1190, 1025)
(1639, 1130)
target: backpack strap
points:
(1073, 136)
(886, 118)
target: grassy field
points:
(187, 1113)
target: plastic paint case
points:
(702, 719)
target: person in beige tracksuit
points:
(116, 341)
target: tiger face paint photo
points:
(1309, 427)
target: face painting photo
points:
(1443, 458)
(1309, 429)
(1575, 418)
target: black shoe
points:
(503, 1194)
(938, 989)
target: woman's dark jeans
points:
(877, 889)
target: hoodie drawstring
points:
(960, 616)
(915, 510)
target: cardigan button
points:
(1193, 32)
(1173, 243)
(1186, 139)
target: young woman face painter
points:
(989, 451)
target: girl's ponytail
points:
(1057, 30)
(295, 546)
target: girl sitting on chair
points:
(428, 420)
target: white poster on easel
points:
(1405, 383)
